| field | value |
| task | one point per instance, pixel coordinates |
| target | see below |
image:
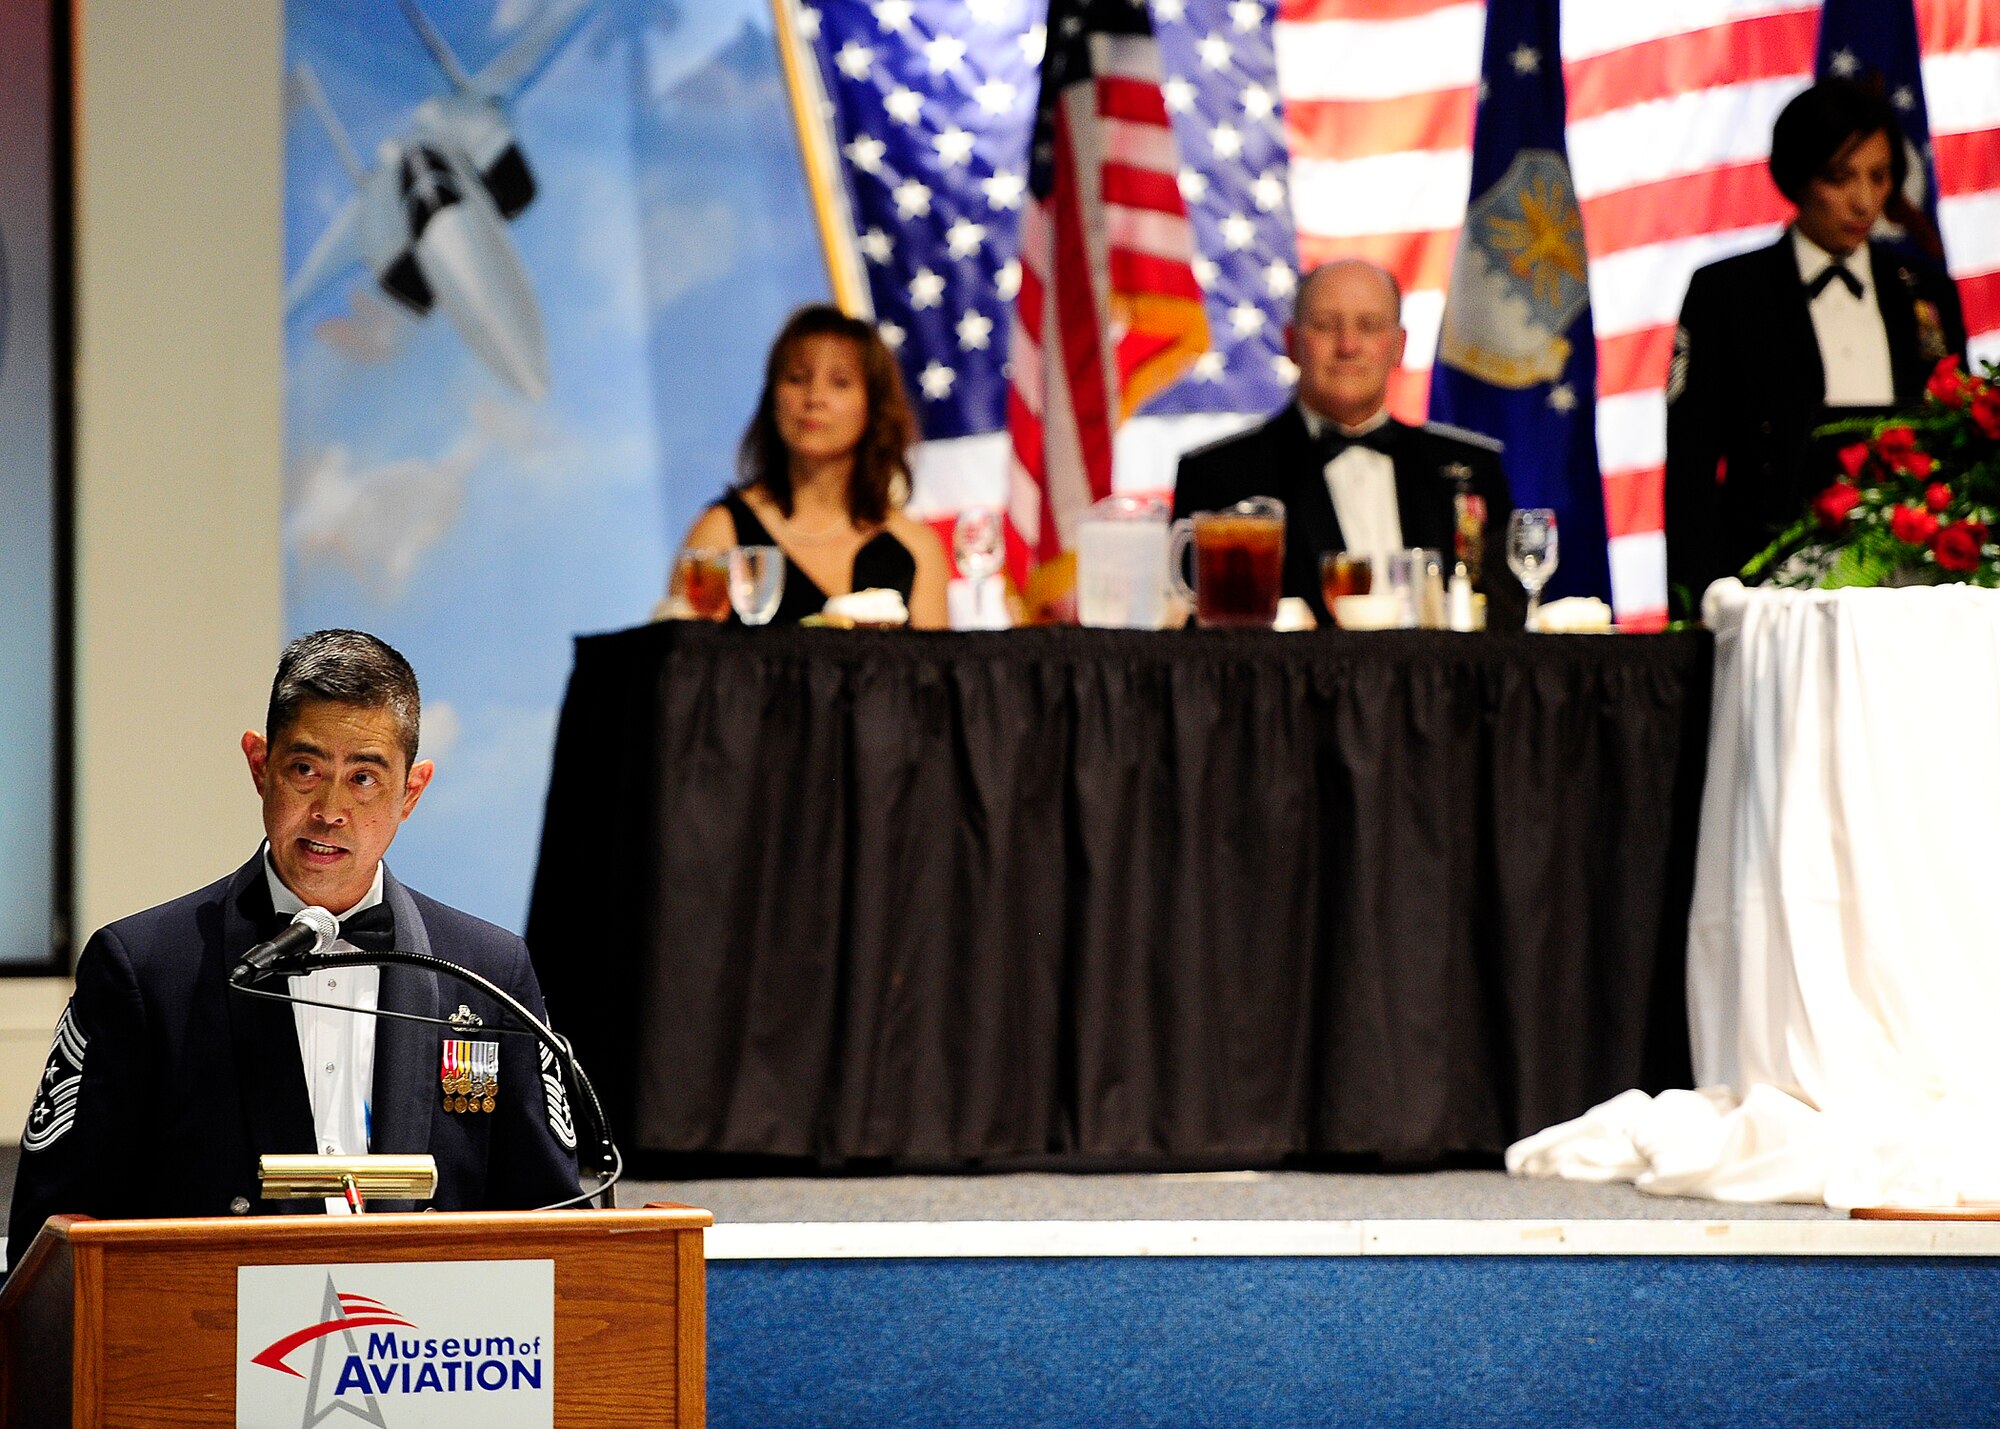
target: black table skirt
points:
(1119, 898)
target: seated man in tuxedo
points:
(165, 1085)
(1350, 475)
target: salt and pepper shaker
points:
(1430, 597)
(1458, 601)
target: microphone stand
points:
(610, 1165)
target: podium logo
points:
(360, 1356)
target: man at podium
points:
(165, 1083)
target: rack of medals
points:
(469, 1073)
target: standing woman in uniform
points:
(1825, 323)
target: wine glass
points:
(1532, 550)
(756, 582)
(977, 542)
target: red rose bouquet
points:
(1916, 501)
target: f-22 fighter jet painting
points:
(429, 218)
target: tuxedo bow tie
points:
(1828, 274)
(373, 930)
(1332, 441)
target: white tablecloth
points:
(1844, 943)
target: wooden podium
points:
(134, 1322)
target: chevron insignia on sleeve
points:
(562, 1125)
(54, 1109)
(1677, 369)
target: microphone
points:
(313, 931)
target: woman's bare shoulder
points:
(920, 536)
(714, 527)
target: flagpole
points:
(821, 162)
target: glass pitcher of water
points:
(1121, 563)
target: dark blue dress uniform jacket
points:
(183, 1083)
(1747, 388)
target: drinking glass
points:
(978, 542)
(1532, 550)
(756, 582)
(1345, 573)
(1400, 580)
(702, 581)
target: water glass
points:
(1415, 579)
(1532, 551)
(756, 582)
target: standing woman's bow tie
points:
(1836, 269)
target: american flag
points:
(1109, 313)
(1308, 129)
(932, 108)
(932, 105)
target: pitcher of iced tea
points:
(1239, 562)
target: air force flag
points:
(1874, 43)
(1517, 359)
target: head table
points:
(1119, 898)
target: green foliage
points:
(1861, 563)
(1789, 541)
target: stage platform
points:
(1247, 1298)
(1286, 1298)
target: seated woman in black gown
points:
(818, 470)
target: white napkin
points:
(874, 606)
(1575, 614)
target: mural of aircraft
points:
(429, 218)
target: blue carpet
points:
(1329, 1341)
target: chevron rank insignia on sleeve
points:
(54, 1109)
(562, 1125)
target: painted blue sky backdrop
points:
(477, 530)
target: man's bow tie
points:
(1827, 274)
(373, 930)
(1332, 441)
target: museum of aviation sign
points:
(415, 1345)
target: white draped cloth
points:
(1844, 941)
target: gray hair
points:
(346, 667)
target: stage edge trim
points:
(877, 1240)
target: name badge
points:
(469, 1074)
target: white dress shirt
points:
(1853, 346)
(336, 1045)
(1362, 483)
